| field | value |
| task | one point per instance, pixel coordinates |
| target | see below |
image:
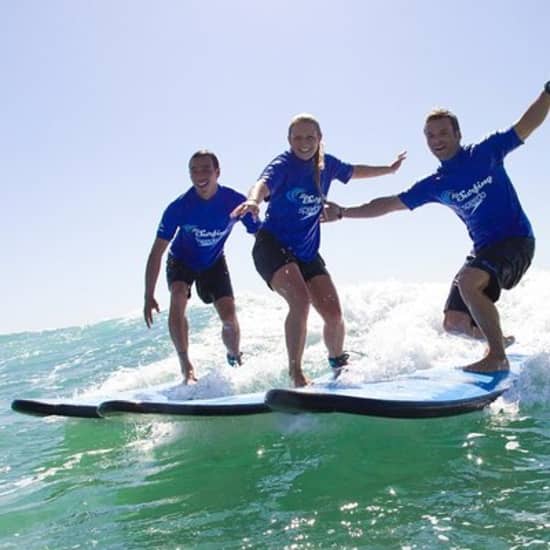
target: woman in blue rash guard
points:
(286, 251)
(197, 224)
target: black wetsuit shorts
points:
(505, 261)
(212, 283)
(270, 255)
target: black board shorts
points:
(212, 283)
(270, 255)
(505, 261)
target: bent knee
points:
(457, 322)
(179, 290)
(333, 315)
(299, 306)
(472, 280)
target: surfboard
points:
(57, 407)
(433, 392)
(161, 399)
(248, 403)
(426, 393)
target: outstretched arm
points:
(258, 192)
(535, 115)
(364, 171)
(373, 209)
(151, 275)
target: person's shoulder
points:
(283, 158)
(278, 166)
(231, 192)
(332, 160)
(496, 137)
(190, 196)
(430, 179)
(421, 190)
(180, 199)
(336, 168)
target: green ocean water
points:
(480, 480)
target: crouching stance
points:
(472, 181)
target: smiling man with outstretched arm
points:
(472, 181)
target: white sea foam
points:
(392, 328)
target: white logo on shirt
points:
(309, 205)
(474, 196)
(205, 237)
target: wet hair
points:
(440, 113)
(319, 157)
(205, 153)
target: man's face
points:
(203, 175)
(443, 140)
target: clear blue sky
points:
(102, 103)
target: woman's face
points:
(304, 138)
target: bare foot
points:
(488, 364)
(299, 380)
(508, 341)
(187, 370)
(189, 378)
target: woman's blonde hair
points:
(319, 156)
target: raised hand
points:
(396, 164)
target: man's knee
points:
(472, 281)
(457, 322)
(179, 289)
(227, 312)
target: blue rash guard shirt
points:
(295, 204)
(201, 226)
(475, 185)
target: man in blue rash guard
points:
(197, 224)
(472, 182)
(286, 251)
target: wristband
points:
(547, 87)
(341, 213)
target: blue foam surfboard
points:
(433, 392)
(231, 405)
(422, 394)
